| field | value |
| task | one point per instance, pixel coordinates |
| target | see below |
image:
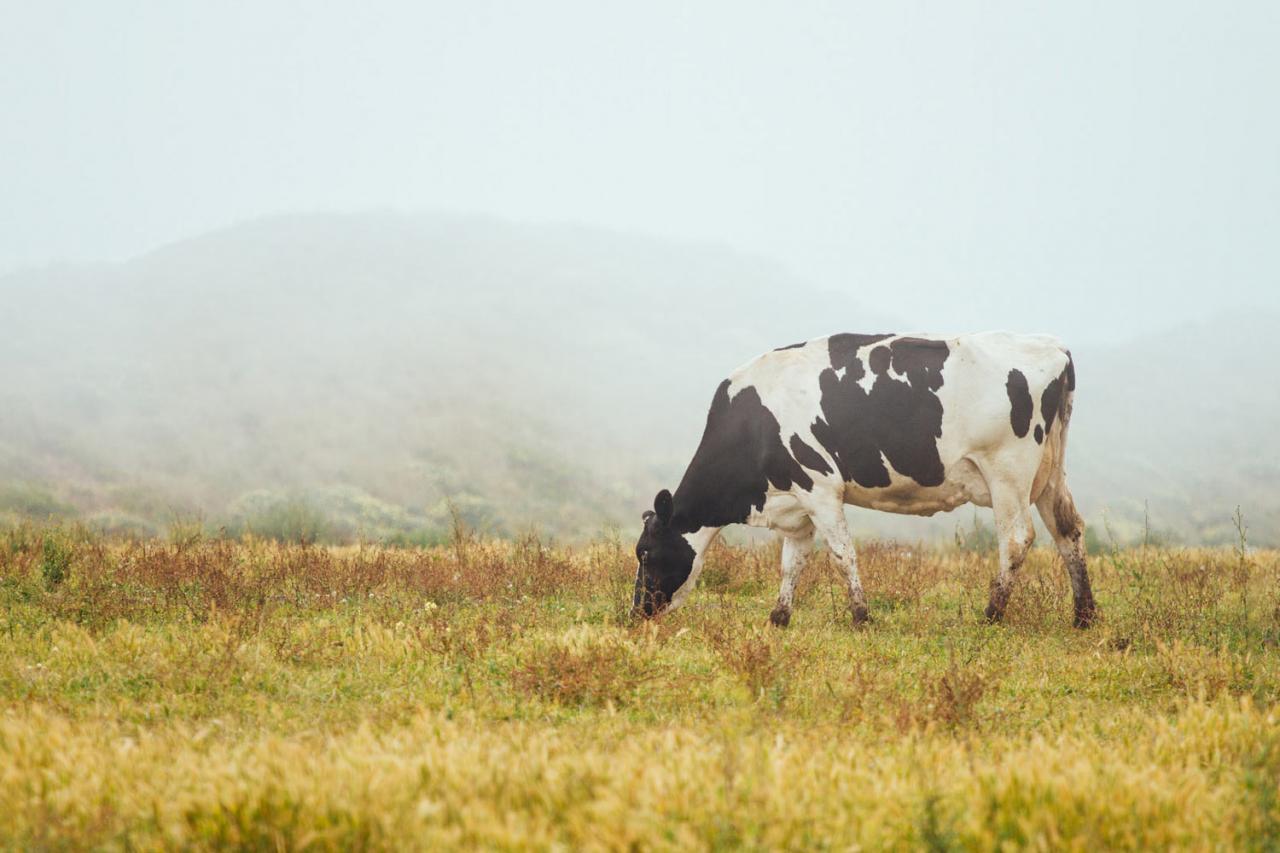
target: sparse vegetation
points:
(204, 692)
(55, 561)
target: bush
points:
(284, 519)
(760, 658)
(582, 668)
(55, 561)
(31, 501)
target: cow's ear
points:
(662, 505)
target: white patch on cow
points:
(782, 511)
(868, 378)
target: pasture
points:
(203, 693)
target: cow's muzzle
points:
(645, 603)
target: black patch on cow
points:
(1050, 400)
(807, 456)
(1039, 434)
(843, 348)
(880, 360)
(902, 420)
(921, 360)
(1020, 403)
(740, 455)
(1071, 372)
(791, 346)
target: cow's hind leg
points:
(795, 553)
(833, 527)
(1011, 503)
(1058, 511)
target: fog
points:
(266, 249)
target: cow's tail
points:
(1068, 380)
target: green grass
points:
(493, 694)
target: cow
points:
(912, 424)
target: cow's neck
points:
(700, 541)
(699, 536)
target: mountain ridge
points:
(539, 375)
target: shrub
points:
(284, 519)
(55, 561)
(954, 696)
(25, 499)
(759, 657)
(951, 700)
(583, 667)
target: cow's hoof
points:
(860, 615)
(780, 617)
(994, 615)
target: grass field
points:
(492, 694)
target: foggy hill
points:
(357, 370)
(1185, 420)
(379, 363)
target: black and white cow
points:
(906, 424)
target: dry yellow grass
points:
(212, 694)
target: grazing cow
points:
(906, 424)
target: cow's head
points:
(666, 559)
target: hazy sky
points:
(1084, 168)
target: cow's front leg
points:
(795, 553)
(832, 526)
